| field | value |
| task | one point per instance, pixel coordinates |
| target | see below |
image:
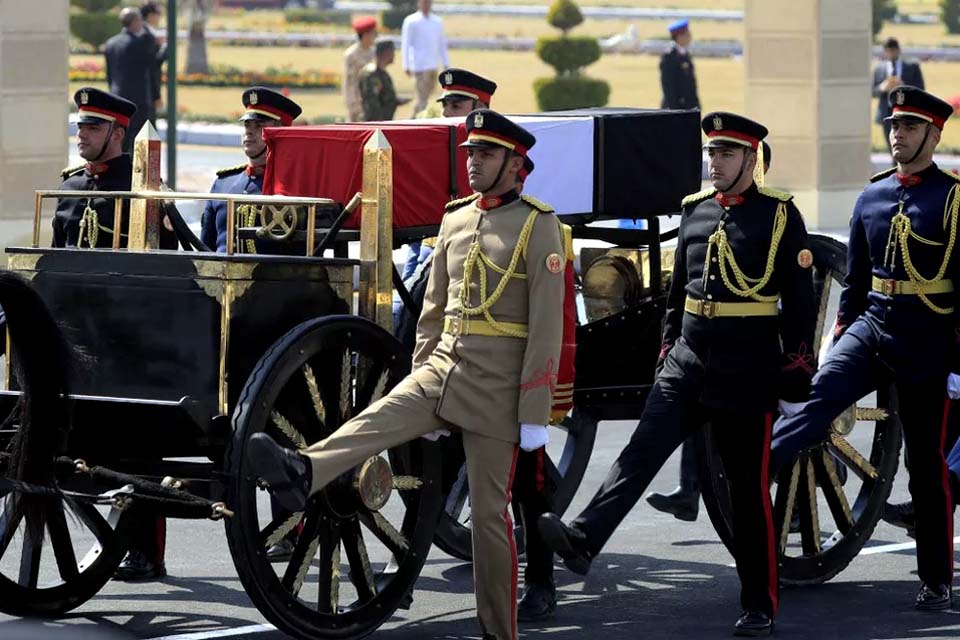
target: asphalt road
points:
(658, 578)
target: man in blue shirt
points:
(263, 108)
(897, 323)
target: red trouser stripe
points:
(772, 583)
(161, 532)
(513, 547)
(945, 479)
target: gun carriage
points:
(173, 359)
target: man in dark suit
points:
(893, 72)
(131, 58)
(676, 70)
(150, 11)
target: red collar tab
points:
(96, 168)
(255, 170)
(497, 201)
(908, 180)
(728, 201)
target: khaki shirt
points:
(354, 59)
(492, 384)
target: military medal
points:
(554, 263)
(805, 258)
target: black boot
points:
(136, 566)
(567, 541)
(752, 624)
(901, 515)
(288, 473)
(937, 598)
(538, 603)
(683, 503)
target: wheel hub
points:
(373, 483)
(845, 422)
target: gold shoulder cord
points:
(901, 230)
(726, 260)
(89, 224)
(474, 256)
(248, 218)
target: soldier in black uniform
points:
(676, 71)
(102, 124)
(737, 338)
(897, 322)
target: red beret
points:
(364, 24)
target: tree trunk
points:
(197, 12)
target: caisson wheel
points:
(571, 443)
(354, 553)
(827, 503)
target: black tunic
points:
(742, 361)
(678, 81)
(66, 223)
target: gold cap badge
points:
(84, 97)
(478, 121)
(900, 97)
(448, 78)
(717, 123)
(254, 99)
(805, 258)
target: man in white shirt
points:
(423, 49)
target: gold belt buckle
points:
(708, 309)
(888, 287)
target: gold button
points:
(712, 277)
(709, 296)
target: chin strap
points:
(923, 144)
(106, 141)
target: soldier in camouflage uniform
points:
(380, 99)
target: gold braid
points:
(475, 256)
(726, 259)
(248, 218)
(89, 223)
(901, 230)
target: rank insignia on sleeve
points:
(554, 263)
(805, 258)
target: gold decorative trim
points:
(24, 263)
(213, 274)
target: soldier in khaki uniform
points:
(485, 362)
(355, 58)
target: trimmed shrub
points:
(566, 55)
(570, 92)
(392, 19)
(94, 28)
(883, 10)
(95, 6)
(950, 14)
(564, 15)
(315, 16)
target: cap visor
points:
(481, 143)
(904, 116)
(258, 117)
(455, 97)
(725, 144)
(88, 119)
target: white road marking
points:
(892, 548)
(220, 633)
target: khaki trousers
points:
(425, 81)
(405, 414)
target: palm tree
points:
(197, 12)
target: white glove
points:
(826, 345)
(788, 409)
(533, 436)
(953, 386)
(433, 436)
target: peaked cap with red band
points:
(731, 130)
(95, 106)
(527, 168)
(911, 103)
(487, 128)
(266, 104)
(363, 24)
(460, 83)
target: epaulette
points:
(883, 174)
(694, 198)
(429, 242)
(951, 174)
(536, 204)
(69, 171)
(453, 205)
(229, 171)
(776, 194)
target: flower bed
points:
(228, 77)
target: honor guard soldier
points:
(677, 78)
(462, 92)
(505, 340)
(102, 121)
(737, 336)
(263, 108)
(897, 323)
